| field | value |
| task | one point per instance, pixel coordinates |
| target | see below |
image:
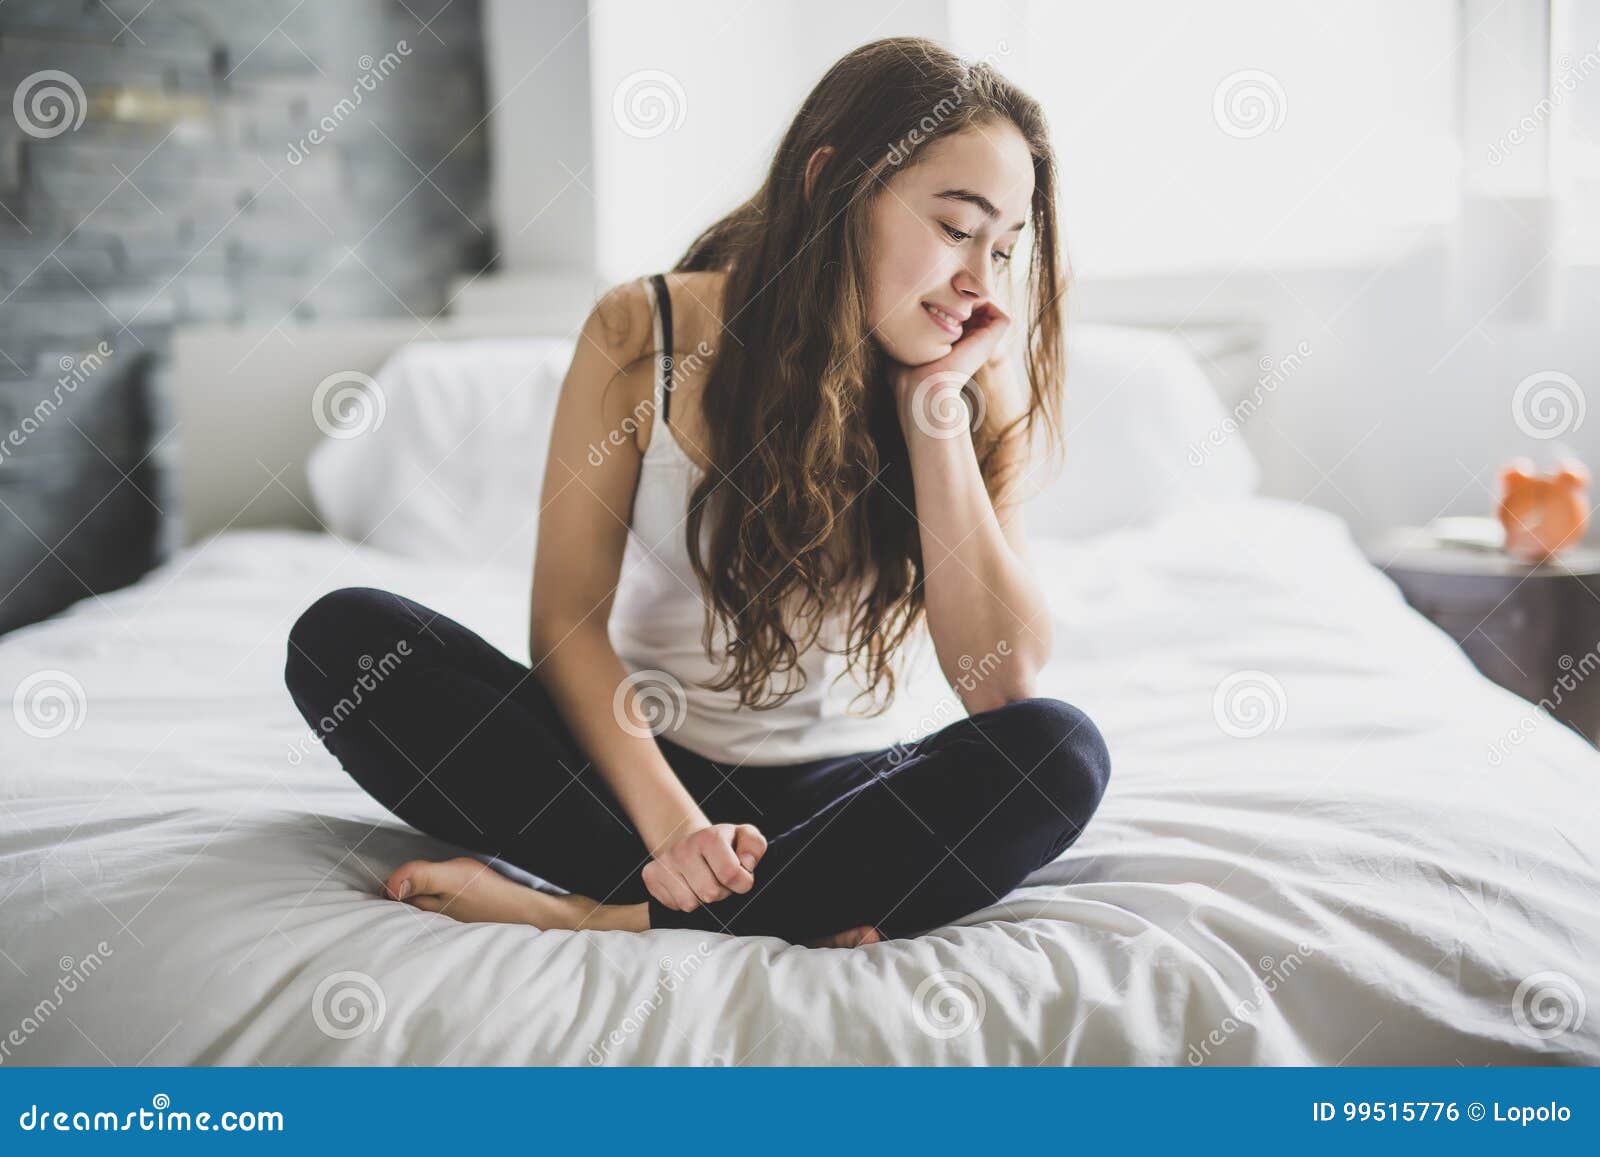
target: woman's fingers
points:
(668, 886)
(703, 879)
(725, 864)
(651, 875)
(711, 869)
(685, 896)
(749, 845)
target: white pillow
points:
(454, 467)
(1144, 433)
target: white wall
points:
(540, 136)
(1335, 227)
(740, 71)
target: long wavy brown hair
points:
(810, 501)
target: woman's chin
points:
(921, 353)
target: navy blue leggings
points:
(464, 743)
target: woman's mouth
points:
(948, 322)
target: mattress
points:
(1320, 845)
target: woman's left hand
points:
(926, 389)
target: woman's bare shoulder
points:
(697, 308)
(620, 323)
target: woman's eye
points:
(1001, 257)
(955, 234)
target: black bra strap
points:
(664, 303)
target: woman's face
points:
(942, 234)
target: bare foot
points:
(849, 938)
(473, 892)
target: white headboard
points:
(243, 395)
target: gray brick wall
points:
(234, 159)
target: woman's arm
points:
(586, 505)
(981, 594)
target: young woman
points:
(811, 430)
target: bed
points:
(1319, 845)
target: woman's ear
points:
(814, 167)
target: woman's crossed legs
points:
(464, 743)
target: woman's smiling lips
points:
(945, 320)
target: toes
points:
(401, 882)
(416, 878)
(849, 938)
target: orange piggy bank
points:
(1542, 513)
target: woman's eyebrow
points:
(980, 201)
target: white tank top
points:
(658, 614)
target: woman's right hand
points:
(705, 865)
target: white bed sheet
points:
(1358, 884)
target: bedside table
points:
(1524, 626)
